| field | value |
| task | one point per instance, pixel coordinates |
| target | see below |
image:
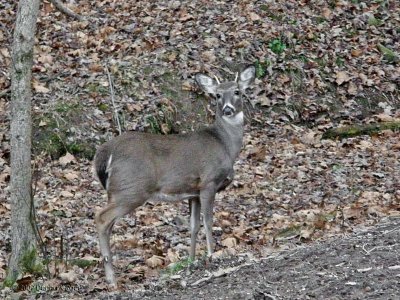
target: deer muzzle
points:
(228, 110)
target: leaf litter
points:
(319, 65)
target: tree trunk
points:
(22, 226)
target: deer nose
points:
(228, 110)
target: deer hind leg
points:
(194, 224)
(105, 220)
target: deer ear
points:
(207, 84)
(247, 77)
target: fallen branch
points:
(357, 130)
(113, 100)
(5, 93)
(65, 10)
(219, 273)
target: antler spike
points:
(236, 76)
(216, 78)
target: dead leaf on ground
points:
(229, 242)
(155, 261)
(5, 175)
(132, 107)
(310, 138)
(66, 194)
(226, 252)
(39, 88)
(257, 153)
(71, 175)
(384, 117)
(254, 17)
(68, 277)
(342, 77)
(306, 233)
(137, 272)
(173, 256)
(66, 159)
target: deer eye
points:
(237, 92)
(218, 96)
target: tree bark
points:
(22, 226)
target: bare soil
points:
(363, 265)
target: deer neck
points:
(231, 132)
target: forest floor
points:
(362, 265)
(305, 217)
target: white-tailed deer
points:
(138, 167)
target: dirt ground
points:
(363, 265)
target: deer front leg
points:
(194, 224)
(207, 196)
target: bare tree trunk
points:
(22, 227)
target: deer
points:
(136, 167)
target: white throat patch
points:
(236, 120)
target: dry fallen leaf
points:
(229, 242)
(45, 58)
(173, 256)
(5, 52)
(137, 272)
(40, 88)
(147, 20)
(42, 123)
(3, 209)
(264, 101)
(71, 175)
(356, 52)
(384, 117)
(134, 107)
(306, 233)
(257, 153)
(25, 281)
(310, 138)
(187, 86)
(69, 276)
(155, 261)
(5, 174)
(396, 146)
(226, 252)
(352, 89)
(342, 77)
(254, 17)
(66, 194)
(352, 212)
(326, 12)
(66, 159)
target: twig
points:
(65, 10)
(219, 273)
(376, 248)
(34, 221)
(113, 100)
(6, 92)
(202, 280)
